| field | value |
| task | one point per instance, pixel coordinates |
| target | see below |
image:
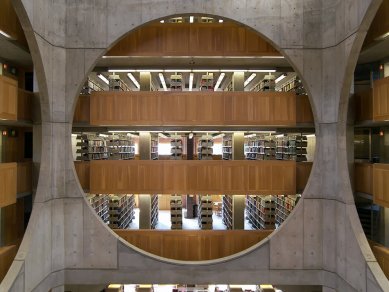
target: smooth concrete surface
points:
(238, 146)
(238, 207)
(144, 146)
(238, 81)
(321, 243)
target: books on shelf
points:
(121, 147)
(227, 215)
(205, 148)
(154, 147)
(176, 211)
(206, 83)
(176, 82)
(176, 147)
(227, 147)
(266, 84)
(154, 211)
(205, 212)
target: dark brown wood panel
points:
(193, 245)
(304, 112)
(303, 171)
(24, 177)
(381, 184)
(363, 178)
(25, 105)
(364, 105)
(381, 99)
(8, 179)
(82, 111)
(8, 98)
(83, 173)
(7, 255)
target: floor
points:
(187, 224)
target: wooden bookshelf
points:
(176, 147)
(120, 211)
(154, 147)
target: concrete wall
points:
(321, 243)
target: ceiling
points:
(12, 52)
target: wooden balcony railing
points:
(193, 245)
(7, 255)
(8, 178)
(25, 105)
(8, 98)
(381, 253)
(24, 179)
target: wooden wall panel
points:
(10, 24)
(364, 105)
(381, 184)
(303, 171)
(193, 245)
(193, 108)
(13, 218)
(13, 147)
(198, 39)
(24, 177)
(82, 111)
(25, 105)
(188, 176)
(8, 98)
(83, 173)
(363, 178)
(304, 112)
(381, 99)
(8, 179)
(7, 255)
(381, 253)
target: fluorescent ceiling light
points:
(263, 70)
(248, 80)
(271, 57)
(220, 20)
(190, 81)
(162, 81)
(280, 78)
(219, 81)
(104, 135)
(233, 70)
(191, 19)
(250, 135)
(162, 21)
(310, 135)
(190, 136)
(119, 131)
(381, 37)
(121, 70)
(177, 70)
(5, 34)
(149, 70)
(103, 78)
(133, 79)
(206, 70)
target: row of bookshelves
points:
(154, 211)
(205, 211)
(176, 212)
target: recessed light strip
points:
(192, 70)
(103, 78)
(248, 80)
(162, 81)
(133, 79)
(219, 81)
(190, 81)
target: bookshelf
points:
(116, 84)
(154, 147)
(205, 148)
(284, 206)
(260, 148)
(260, 211)
(227, 147)
(121, 147)
(176, 82)
(154, 211)
(90, 86)
(82, 147)
(293, 84)
(97, 148)
(99, 203)
(205, 212)
(227, 218)
(266, 84)
(176, 212)
(206, 83)
(176, 147)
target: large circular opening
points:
(193, 138)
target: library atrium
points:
(156, 146)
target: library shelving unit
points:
(266, 84)
(206, 83)
(154, 211)
(260, 148)
(227, 211)
(82, 147)
(176, 82)
(294, 84)
(127, 210)
(176, 147)
(100, 204)
(90, 86)
(205, 148)
(260, 211)
(121, 147)
(284, 206)
(97, 148)
(113, 211)
(301, 148)
(205, 211)
(293, 147)
(116, 84)
(176, 212)
(154, 147)
(227, 147)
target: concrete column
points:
(238, 146)
(58, 289)
(238, 81)
(238, 211)
(144, 145)
(145, 81)
(189, 148)
(144, 211)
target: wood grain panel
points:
(7, 255)
(381, 184)
(25, 105)
(193, 245)
(13, 218)
(8, 98)
(82, 111)
(363, 178)
(24, 177)
(193, 108)
(304, 112)
(364, 105)
(379, 26)
(188, 176)
(83, 173)
(8, 179)
(196, 39)
(13, 147)
(9, 23)
(381, 253)
(381, 99)
(303, 171)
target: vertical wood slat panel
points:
(193, 245)
(83, 173)
(363, 177)
(188, 108)
(381, 99)
(25, 105)
(7, 255)
(304, 112)
(8, 98)
(200, 177)
(381, 184)
(24, 177)
(82, 111)
(303, 171)
(8, 183)
(364, 105)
